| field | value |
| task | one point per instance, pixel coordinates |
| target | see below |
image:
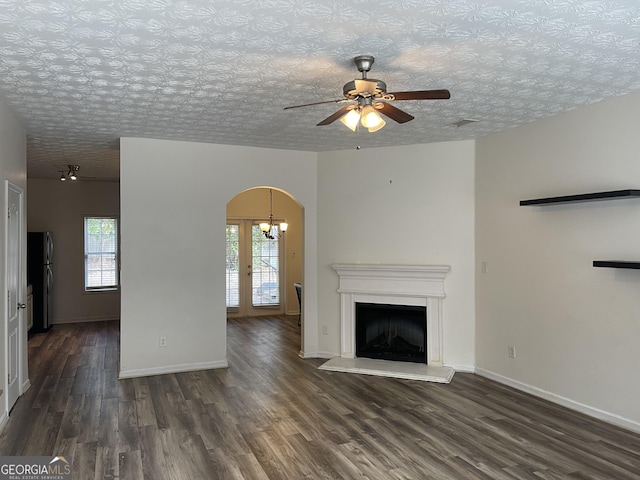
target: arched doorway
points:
(261, 272)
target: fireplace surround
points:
(410, 285)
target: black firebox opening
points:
(391, 332)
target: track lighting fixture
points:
(73, 170)
(72, 173)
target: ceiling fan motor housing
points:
(364, 63)
(364, 88)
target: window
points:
(265, 269)
(100, 253)
(233, 266)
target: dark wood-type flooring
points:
(272, 415)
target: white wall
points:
(60, 207)
(400, 205)
(576, 328)
(173, 215)
(13, 167)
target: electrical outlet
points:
(325, 329)
(512, 352)
(163, 341)
(485, 267)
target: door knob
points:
(21, 305)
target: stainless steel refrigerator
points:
(40, 276)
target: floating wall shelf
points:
(593, 197)
(616, 264)
(584, 197)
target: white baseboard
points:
(3, 420)
(462, 368)
(302, 354)
(187, 367)
(25, 386)
(565, 402)
(62, 321)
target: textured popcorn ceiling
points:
(80, 74)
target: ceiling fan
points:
(367, 97)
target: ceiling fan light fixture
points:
(371, 119)
(378, 127)
(62, 177)
(351, 119)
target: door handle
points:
(21, 305)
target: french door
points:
(254, 274)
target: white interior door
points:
(15, 303)
(254, 273)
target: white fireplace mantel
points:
(415, 285)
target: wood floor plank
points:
(274, 416)
(43, 437)
(239, 467)
(130, 466)
(144, 405)
(154, 460)
(190, 459)
(71, 365)
(84, 461)
(65, 447)
(46, 391)
(205, 424)
(108, 422)
(128, 432)
(108, 463)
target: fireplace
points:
(391, 332)
(407, 286)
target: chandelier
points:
(270, 230)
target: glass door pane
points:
(265, 265)
(233, 266)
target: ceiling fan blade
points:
(393, 113)
(422, 95)
(335, 116)
(315, 103)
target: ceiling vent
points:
(464, 121)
